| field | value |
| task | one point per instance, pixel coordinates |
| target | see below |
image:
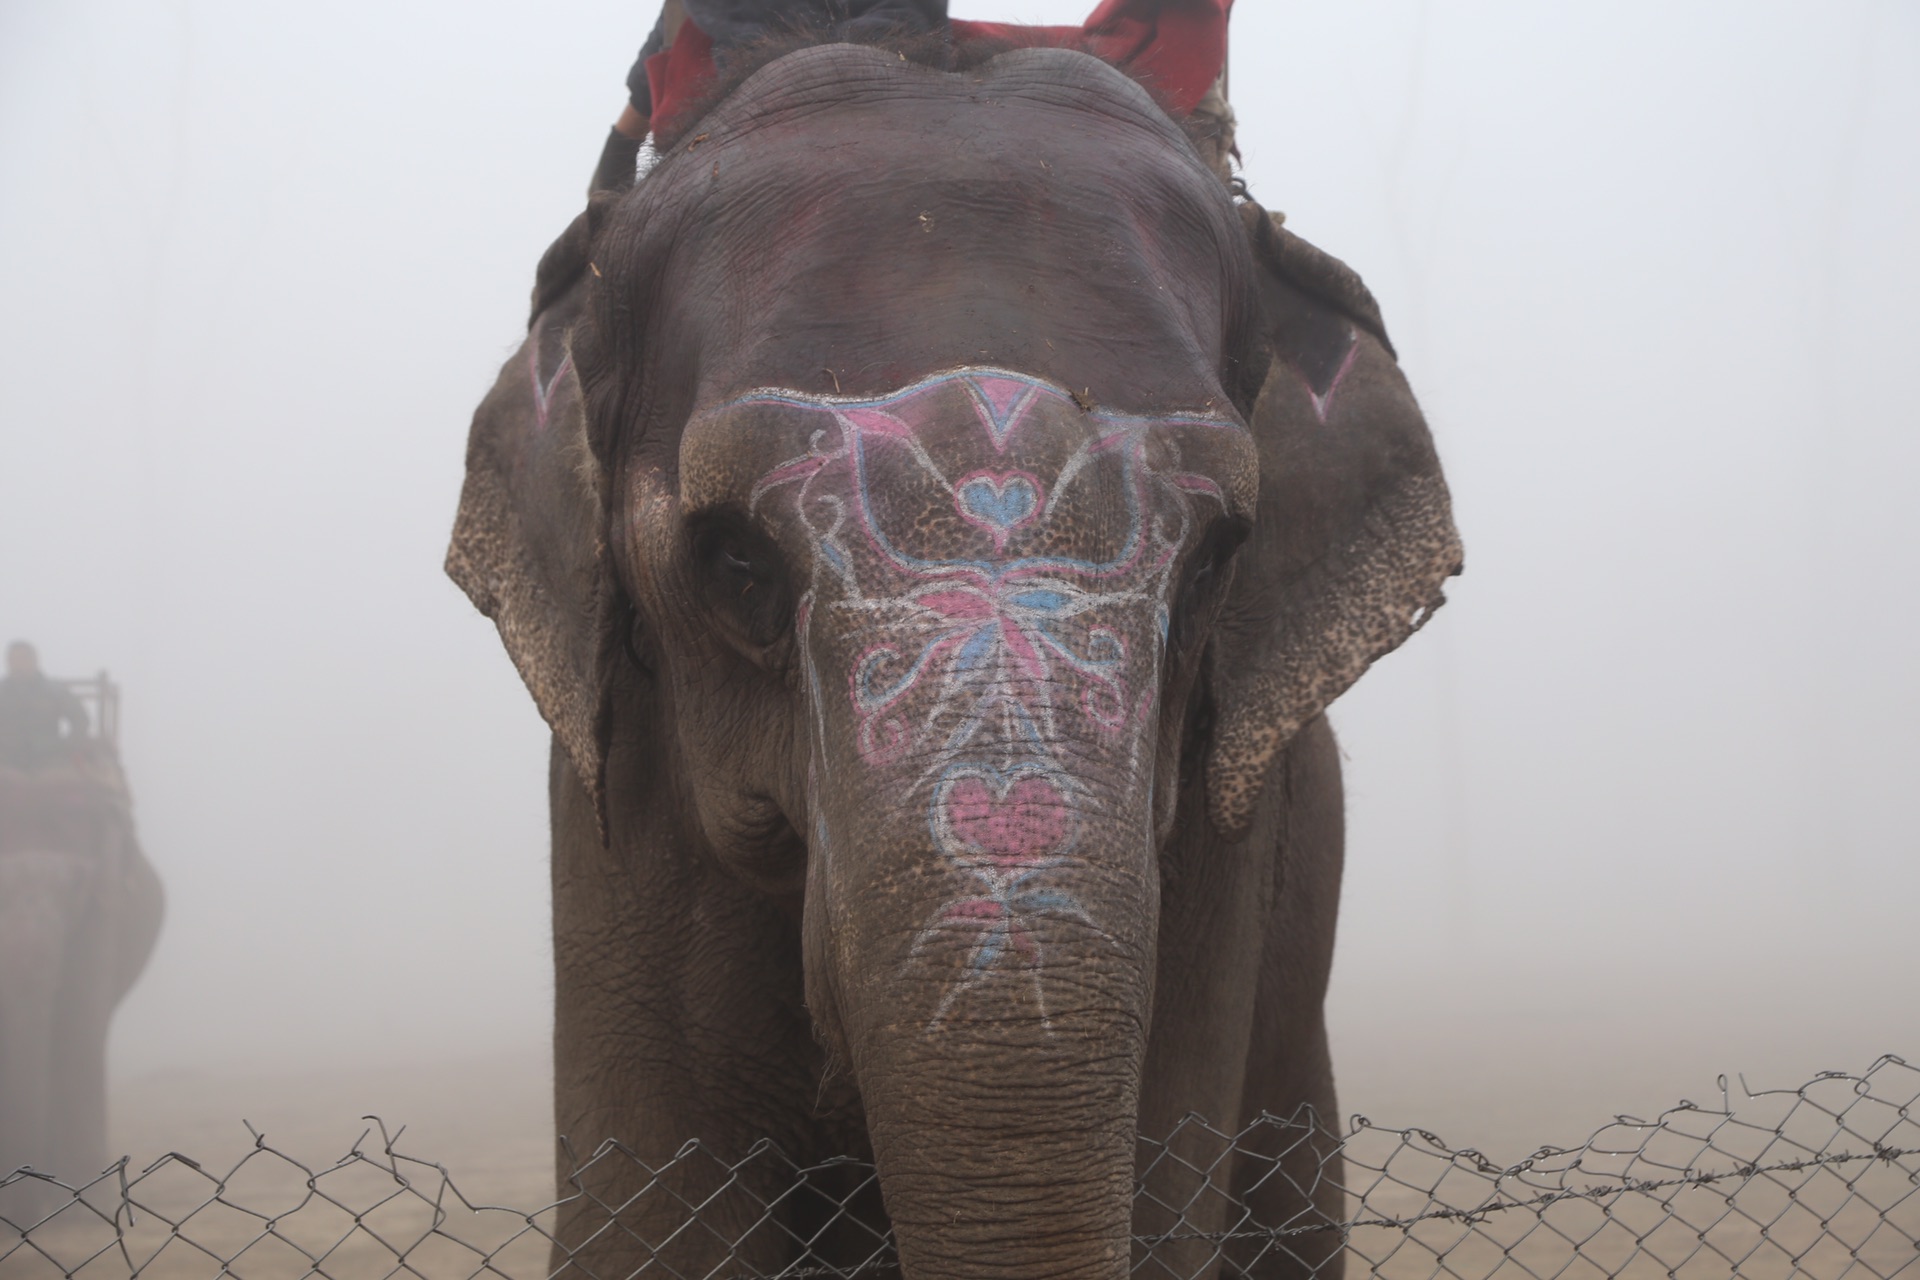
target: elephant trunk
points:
(983, 957)
(1001, 582)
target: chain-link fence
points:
(1821, 1181)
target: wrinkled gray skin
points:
(80, 910)
(1075, 875)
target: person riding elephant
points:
(38, 718)
(932, 513)
(1178, 46)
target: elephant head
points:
(947, 472)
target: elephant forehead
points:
(970, 465)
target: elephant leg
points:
(1291, 1176)
(105, 956)
(1214, 911)
(77, 1092)
(843, 1221)
(44, 899)
(667, 1029)
(26, 1067)
(40, 893)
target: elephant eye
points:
(1206, 570)
(744, 582)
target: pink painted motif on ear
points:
(543, 388)
(1323, 400)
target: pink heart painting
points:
(1015, 825)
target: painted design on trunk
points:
(1005, 558)
(1004, 829)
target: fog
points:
(1632, 810)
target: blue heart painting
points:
(999, 503)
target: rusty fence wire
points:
(1822, 1181)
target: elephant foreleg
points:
(105, 956)
(664, 1033)
(77, 1048)
(41, 893)
(1288, 1176)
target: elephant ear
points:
(530, 541)
(1353, 536)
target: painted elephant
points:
(80, 911)
(932, 513)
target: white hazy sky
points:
(1641, 794)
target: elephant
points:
(932, 511)
(80, 912)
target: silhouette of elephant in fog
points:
(80, 910)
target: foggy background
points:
(1633, 810)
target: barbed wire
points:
(1822, 1181)
(1535, 1202)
